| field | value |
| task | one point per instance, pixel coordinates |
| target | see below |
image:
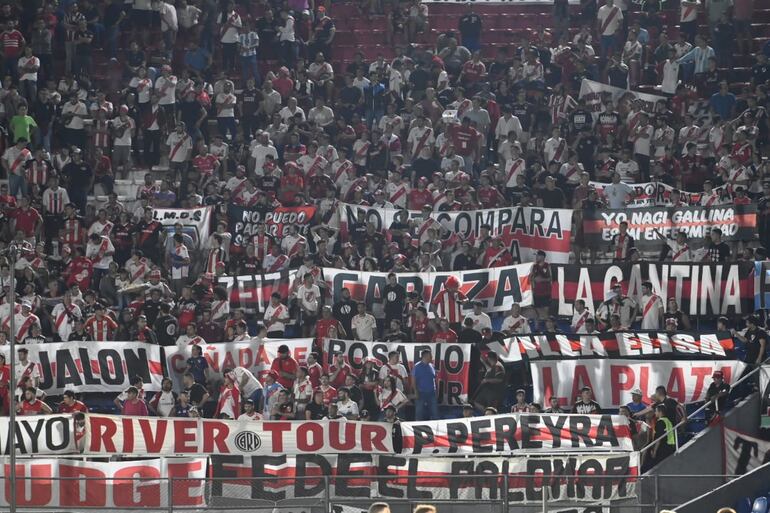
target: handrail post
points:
(327, 496)
(545, 496)
(505, 493)
(656, 488)
(170, 492)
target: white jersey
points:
(516, 325)
(578, 323)
(652, 312)
(679, 252)
(64, 319)
(276, 316)
(480, 321)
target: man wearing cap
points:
(521, 405)
(101, 326)
(23, 321)
(637, 404)
(285, 368)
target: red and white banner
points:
(572, 479)
(524, 230)
(497, 288)
(94, 367)
(255, 356)
(40, 435)
(71, 484)
(452, 362)
(152, 436)
(517, 433)
(613, 379)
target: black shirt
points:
(586, 408)
(753, 344)
(552, 198)
(469, 336)
(718, 252)
(317, 411)
(78, 176)
(670, 404)
(166, 328)
(343, 311)
(396, 297)
(470, 25)
(715, 389)
(79, 337)
(196, 393)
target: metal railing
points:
(683, 422)
(497, 493)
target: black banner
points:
(703, 290)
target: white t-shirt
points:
(282, 316)
(627, 171)
(226, 104)
(79, 110)
(143, 88)
(166, 88)
(347, 408)
(616, 194)
(617, 19)
(125, 139)
(480, 321)
(364, 326)
(24, 61)
(252, 383)
(309, 297)
(166, 403)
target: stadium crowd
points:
(223, 103)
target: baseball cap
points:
(637, 391)
(718, 374)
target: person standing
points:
(424, 377)
(470, 29)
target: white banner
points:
(497, 288)
(517, 433)
(152, 436)
(524, 230)
(94, 367)
(196, 222)
(593, 93)
(744, 453)
(40, 434)
(72, 485)
(255, 356)
(613, 379)
(571, 479)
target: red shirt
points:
(31, 408)
(314, 374)
(473, 71)
(449, 306)
(26, 220)
(285, 365)
(330, 394)
(101, 329)
(465, 140)
(444, 336)
(77, 406)
(79, 271)
(205, 164)
(339, 381)
(12, 42)
(420, 331)
(322, 327)
(417, 199)
(489, 197)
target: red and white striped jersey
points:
(101, 329)
(449, 305)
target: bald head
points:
(379, 507)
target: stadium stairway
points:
(704, 451)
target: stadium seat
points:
(744, 505)
(760, 505)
